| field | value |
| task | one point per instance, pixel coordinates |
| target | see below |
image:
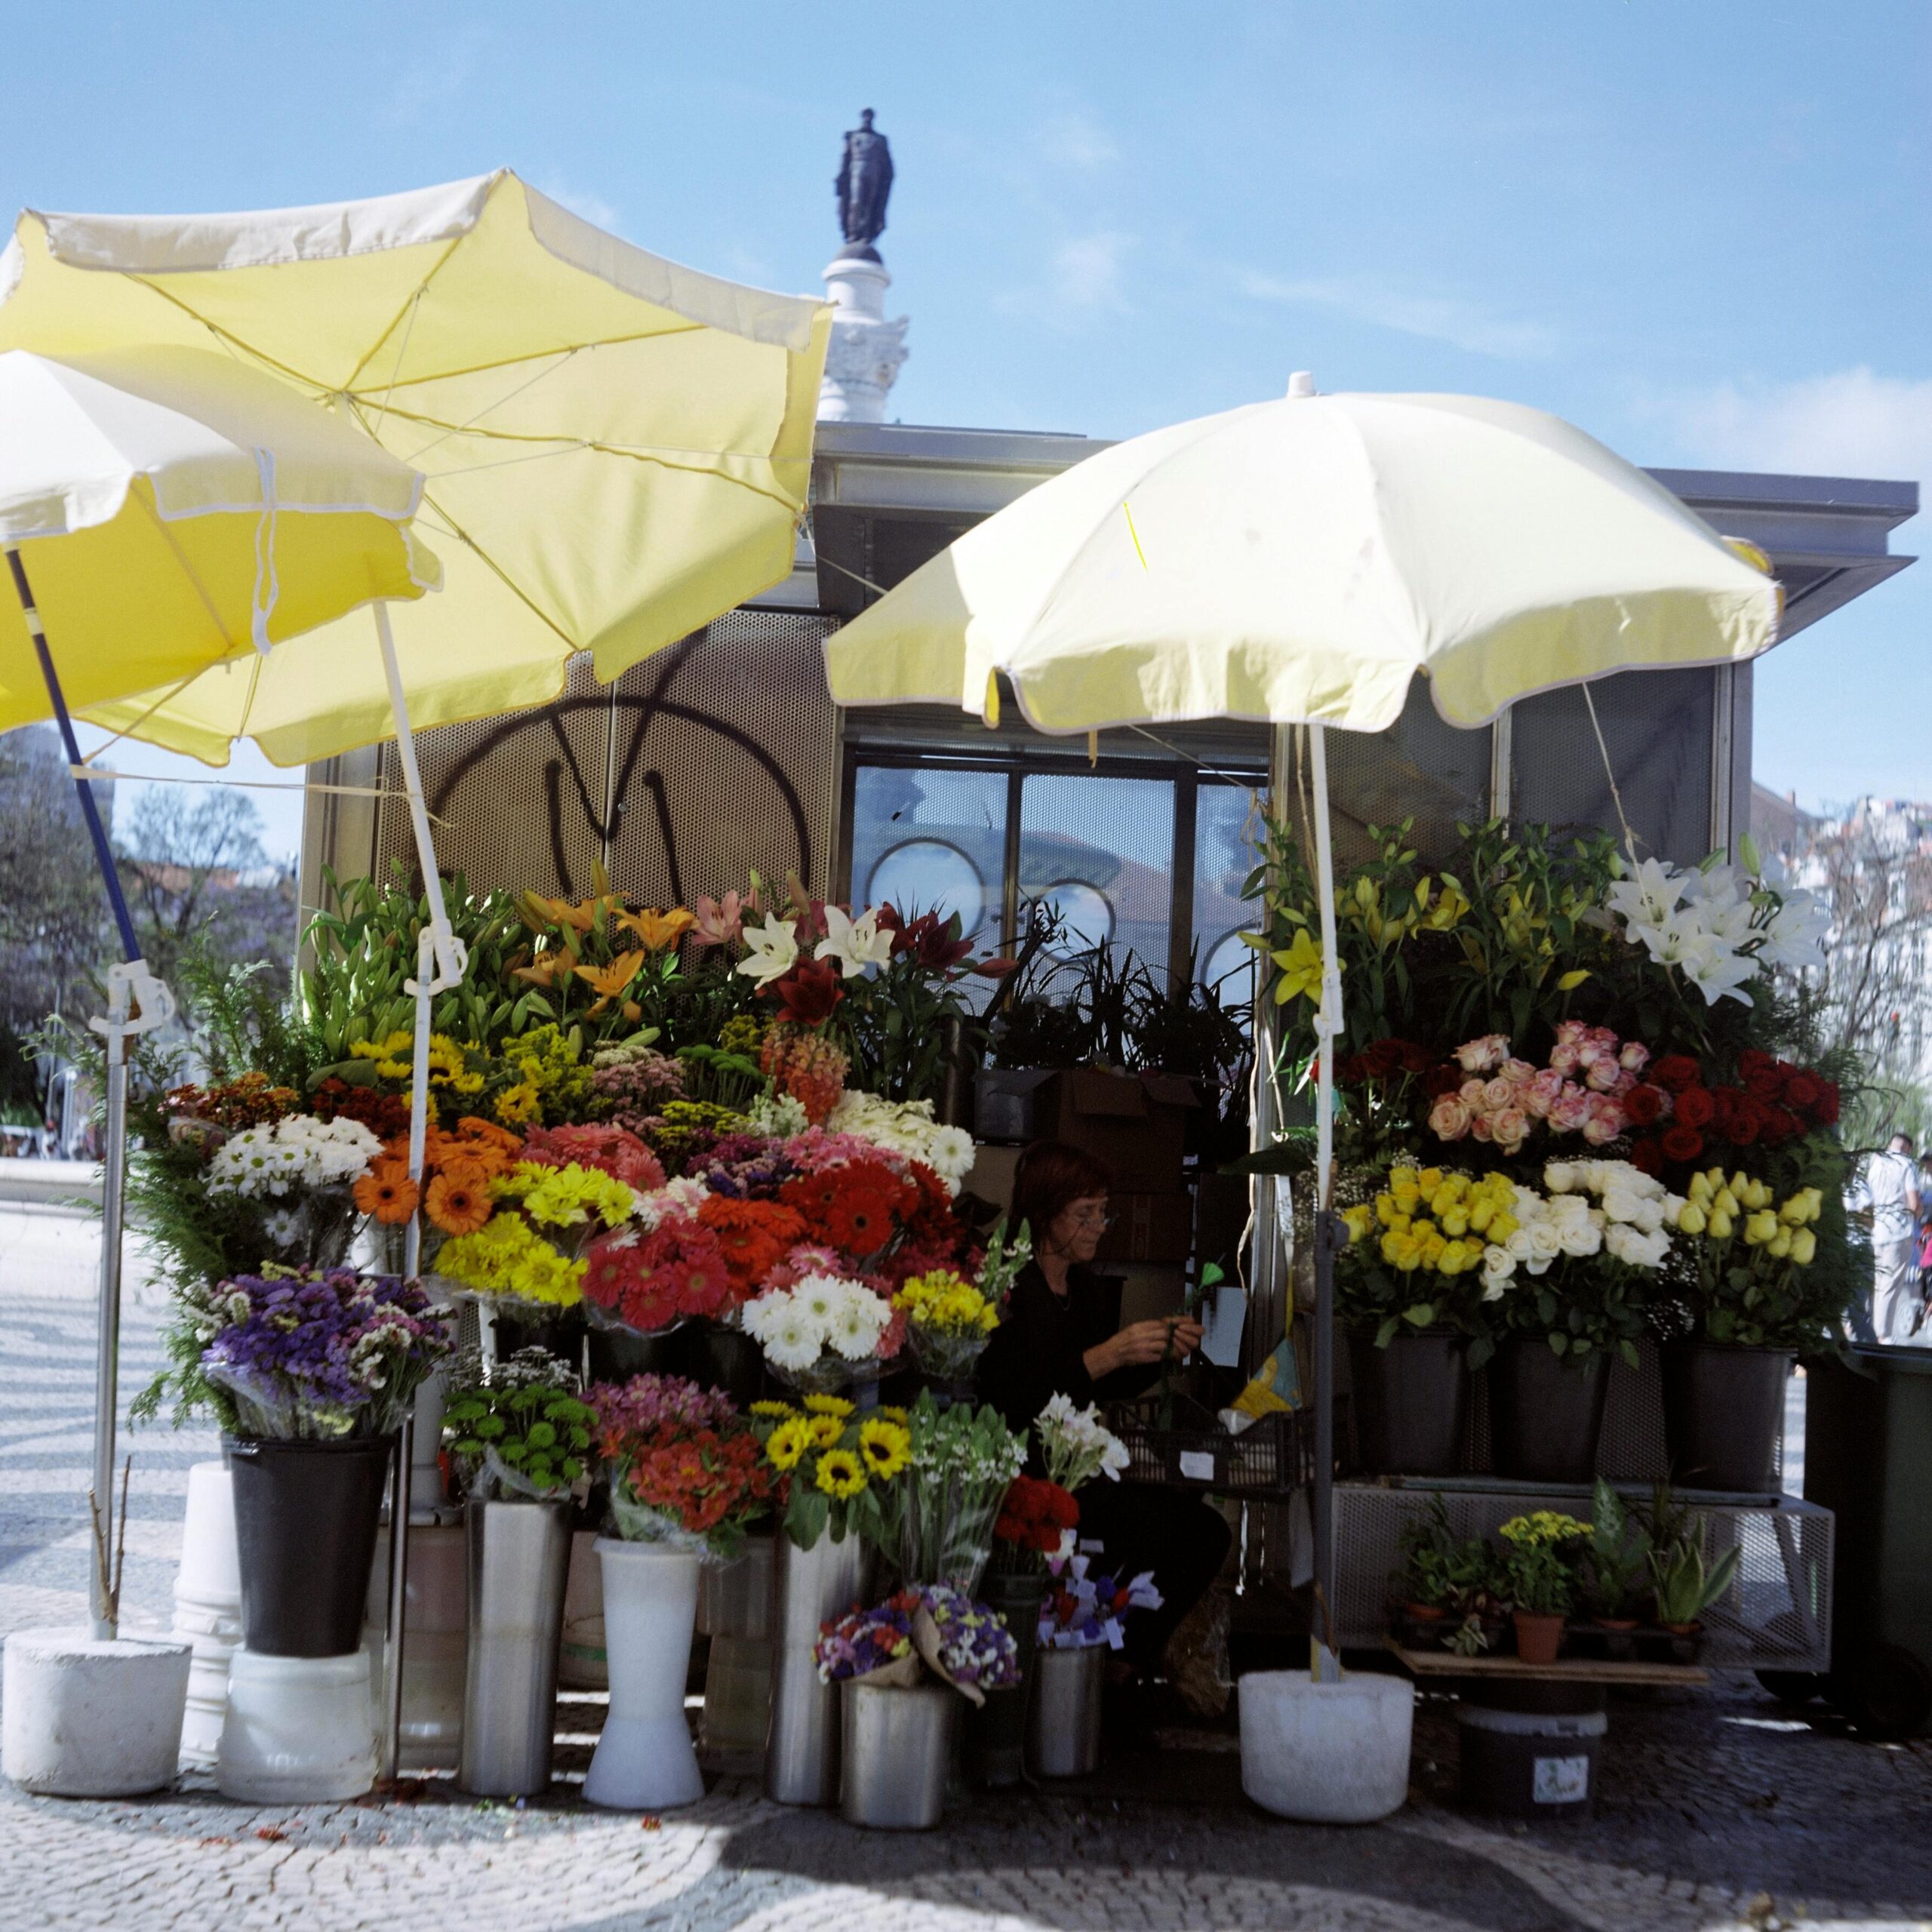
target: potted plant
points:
(1752, 1306)
(898, 1667)
(1430, 1584)
(1538, 1550)
(1686, 1586)
(1080, 1628)
(1587, 1251)
(520, 1437)
(310, 1374)
(1616, 1567)
(688, 1478)
(1411, 1288)
(1036, 1517)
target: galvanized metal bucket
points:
(519, 1557)
(811, 1587)
(897, 1746)
(1063, 1728)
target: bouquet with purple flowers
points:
(316, 1354)
(963, 1642)
(1082, 1609)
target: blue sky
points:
(1703, 232)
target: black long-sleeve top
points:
(1036, 1351)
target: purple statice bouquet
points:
(746, 1167)
(964, 1644)
(317, 1354)
(1082, 1610)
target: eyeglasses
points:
(1094, 1217)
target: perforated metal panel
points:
(1658, 728)
(711, 757)
(1419, 768)
(1777, 1616)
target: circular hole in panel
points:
(929, 875)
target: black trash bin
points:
(1868, 1459)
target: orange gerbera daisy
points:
(458, 1200)
(472, 1127)
(387, 1192)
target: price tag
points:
(1197, 1464)
(1561, 1780)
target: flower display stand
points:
(811, 1587)
(208, 1608)
(518, 1554)
(298, 1730)
(91, 1717)
(644, 1760)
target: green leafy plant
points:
(1539, 1561)
(527, 1437)
(1686, 1584)
(1617, 1558)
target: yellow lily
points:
(1300, 964)
(609, 981)
(538, 910)
(657, 930)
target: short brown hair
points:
(1049, 1177)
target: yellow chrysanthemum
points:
(886, 1446)
(841, 1474)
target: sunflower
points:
(387, 1192)
(825, 1430)
(459, 1199)
(891, 1414)
(841, 1474)
(790, 1441)
(777, 1411)
(828, 1405)
(886, 1447)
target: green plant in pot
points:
(1539, 1552)
(1615, 1566)
(1688, 1585)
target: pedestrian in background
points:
(1887, 1193)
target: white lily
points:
(1649, 895)
(1716, 972)
(1794, 937)
(855, 944)
(772, 950)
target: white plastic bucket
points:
(299, 1729)
(1326, 1754)
(207, 1606)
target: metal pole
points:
(405, 1448)
(1325, 1664)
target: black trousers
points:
(1171, 1532)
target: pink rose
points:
(1569, 1110)
(1622, 1084)
(1600, 1128)
(1541, 1094)
(1603, 1037)
(1633, 1057)
(1604, 1073)
(1470, 1094)
(1518, 1072)
(1570, 1032)
(1497, 1094)
(1481, 1056)
(1449, 1119)
(1510, 1129)
(1480, 1126)
(1565, 1057)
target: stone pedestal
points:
(866, 351)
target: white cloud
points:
(594, 208)
(1851, 423)
(1084, 271)
(1079, 142)
(1451, 318)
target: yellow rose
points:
(1804, 1247)
(1722, 1225)
(1691, 1219)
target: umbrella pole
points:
(1324, 1664)
(126, 984)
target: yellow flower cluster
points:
(1718, 1207)
(1436, 1221)
(883, 1447)
(395, 1060)
(947, 1302)
(1542, 1528)
(565, 1197)
(506, 1257)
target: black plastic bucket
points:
(997, 1733)
(1544, 1415)
(1723, 1408)
(1411, 1400)
(618, 1353)
(1529, 1763)
(306, 1515)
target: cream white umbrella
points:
(1302, 562)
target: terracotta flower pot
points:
(1538, 1637)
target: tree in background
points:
(192, 865)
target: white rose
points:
(1585, 1239)
(1560, 1177)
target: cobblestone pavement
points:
(1719, 1810)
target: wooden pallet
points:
(1573, 1670)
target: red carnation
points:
(1675, 1072)
(1695, 1107)
(1680, 1143)
(1647, 1157)
(1644, 1105)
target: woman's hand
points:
(1142, 1343)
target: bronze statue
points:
(864, 182)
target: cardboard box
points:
(1135, 1124)
(1149, 1227)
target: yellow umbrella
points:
(163, 509)
(615, 449)
(1301, 561)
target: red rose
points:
(1754, 1059)
(1647, 1157)
(1680, 1143)
(1803, 1090)
(1675, 1072)
(1747, 1121)
(1695, 1108)
(1348, 1070)
(1780, 1124)
(1440, 1080)
(1383, 1058)
(1826, 1113)
(1644, 1105)
(1415, 1059)
(1727, 1100)
(1765, 1083)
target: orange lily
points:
(545, 970)
(538, 910)
(657, 930)
(609, 981)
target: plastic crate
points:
(1267, 1462)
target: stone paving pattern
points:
(1718, 1809)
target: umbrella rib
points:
(509, 583)
(561, 349)
(188, 570)
(409, 307)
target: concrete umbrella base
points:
(92, 1716)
